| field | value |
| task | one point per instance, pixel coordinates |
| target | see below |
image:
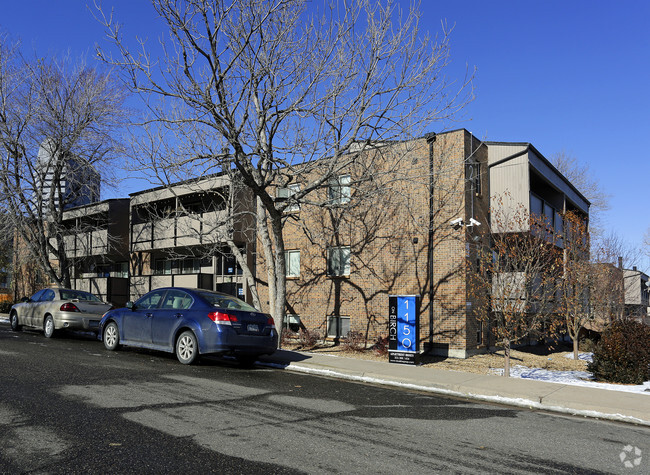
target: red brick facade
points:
(386, 225)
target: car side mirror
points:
(130, 305)
(25, 299)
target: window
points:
(292, 262)
(177, 300)
(287, 193)
(292, 322)
(37, 296)
(549, 214)
(78, 295)
(339, 190)
(177, 266)
(338, 326)
(121, 270)
(47, 296)
(338, 261)
(151, 300)
(164, 266)
(536, 205)
(223, 301)
(191, 266)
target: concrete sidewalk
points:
(562, 398)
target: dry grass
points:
(531, 357)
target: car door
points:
(30, 309)
(44, 306)
(136, 324)
(166, 318)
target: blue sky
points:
(567, 76)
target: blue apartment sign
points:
(403, 328)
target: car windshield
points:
(226, 301)
(78, 295)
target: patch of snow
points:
(574, 378)
(588, 357)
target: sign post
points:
(403, 329)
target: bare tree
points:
(607, 297)
(582, 178)
(278, 91)
(57, 122)
(517, 281)
(578, 279)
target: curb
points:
(501, 400)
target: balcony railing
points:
(180, 231)
(140, 285)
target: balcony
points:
(110, 289)
(140, 285)
(167, 233)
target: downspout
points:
(431, 138)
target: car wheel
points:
(48, 326)
(187, 349)
(13, 318)
(111, 337)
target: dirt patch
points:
(531, 357)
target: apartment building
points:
(407, 218)
(418, 234)
(180, 235)
(408, 230)
(96, 238)
(521, 177)
(637, 294)
(78, 183)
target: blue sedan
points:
(191, 322)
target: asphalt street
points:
(69, 406)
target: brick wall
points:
(386, 225)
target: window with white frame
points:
(339, 190)
(287, 193)
(338, 261)
(292, 262)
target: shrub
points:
(381, 346)
(308, 339)
(355, 342)
(587, 345)
(5, 307)
(623, 353)
(288, 337)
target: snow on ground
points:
(575, 378)
(589, 357)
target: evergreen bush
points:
(623, 353)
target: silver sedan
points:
(54, 308)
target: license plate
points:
(253, 328)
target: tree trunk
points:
(250, 279)
(575, 348)
(265, 239)
(506, 356)
(280, 275)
